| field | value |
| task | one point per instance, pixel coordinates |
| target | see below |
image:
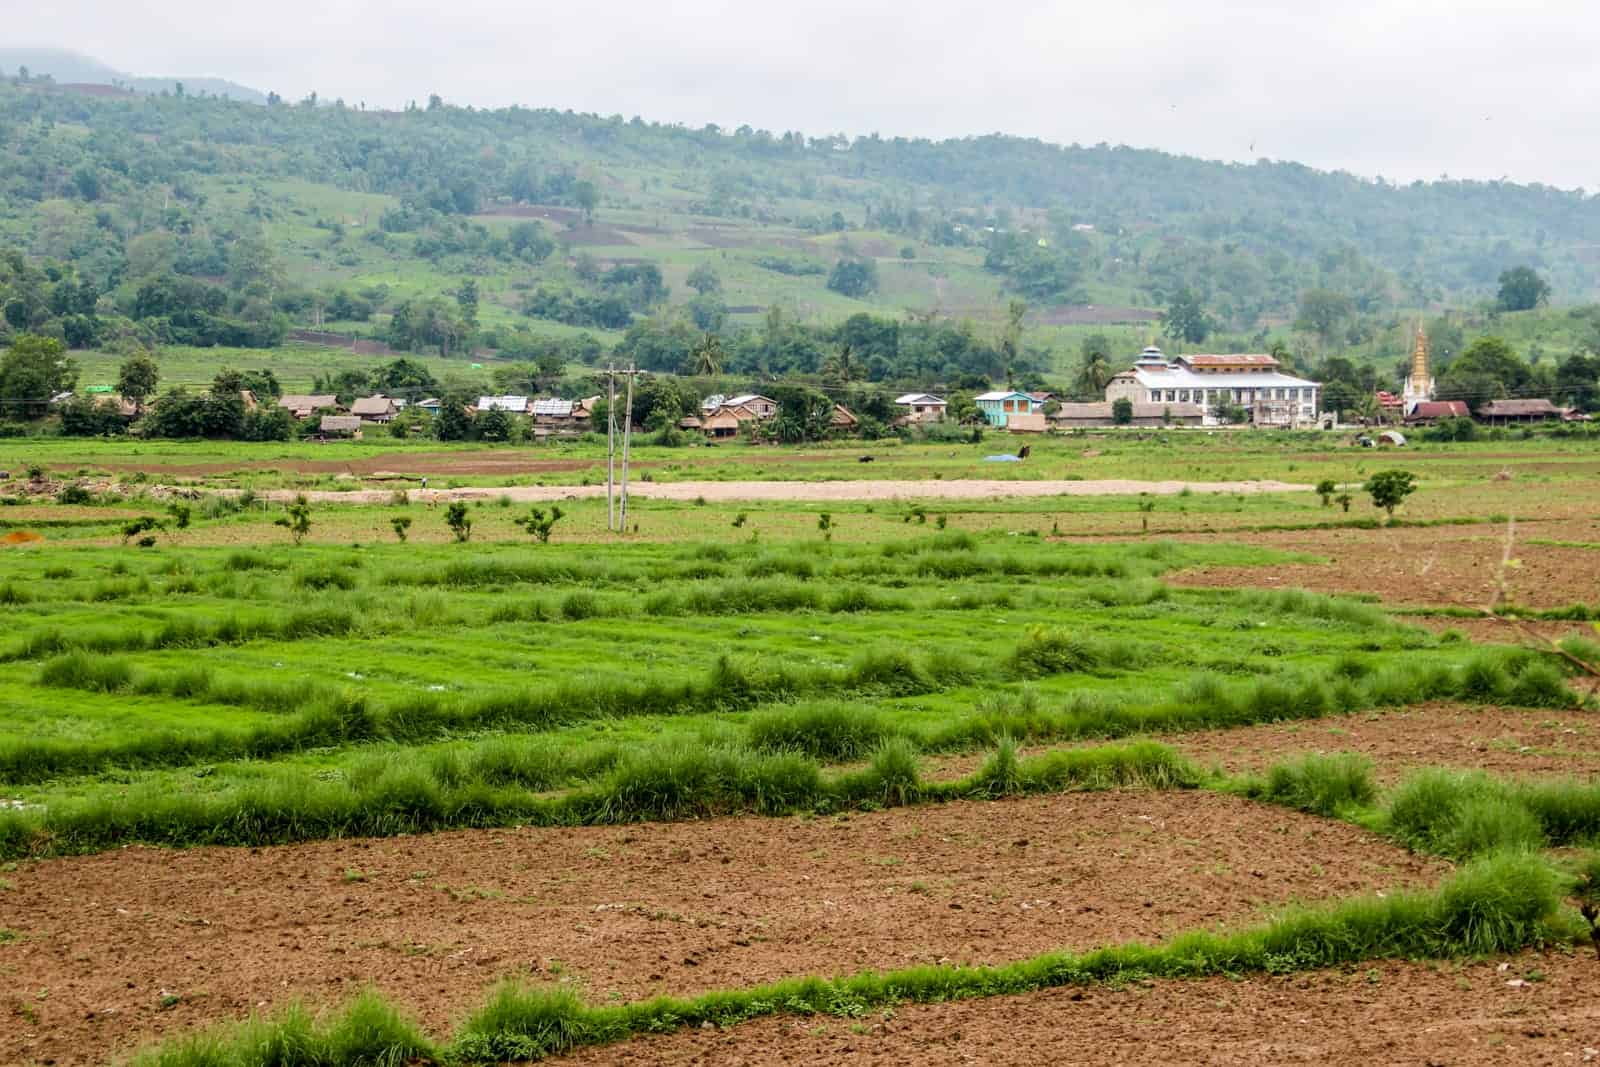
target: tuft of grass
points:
(1321, 785)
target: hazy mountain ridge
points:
(72, 68)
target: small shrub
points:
(459, 521)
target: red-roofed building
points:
(1433, 410)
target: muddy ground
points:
(630, 912)
(1535, 1009)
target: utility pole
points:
(611, 442)
(627, 437)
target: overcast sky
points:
(1378, 87)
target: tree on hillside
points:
(854, 277)
(137, 379)
(1324, 313)
(32, 371)
(1487, 370)
(587, 196)
(1521, 289)
(1186, 319)
(704, 280)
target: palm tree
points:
(841, 367)
(1094, 374)
(707, 356)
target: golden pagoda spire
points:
(1419, 361)
(1419, 385)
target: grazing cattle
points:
(866, 459)
(1022, 453)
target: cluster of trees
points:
(864, 347)
(144, 301)
(613, 298)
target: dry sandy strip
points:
(957, 489)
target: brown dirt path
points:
(640, 910)
(1463, 1014)
(953, 489)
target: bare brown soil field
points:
(1533, 1009)
(1506, 741)
(1448, 565)
(640, 910)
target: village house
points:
(552, 414)
(1504, 412)
(1252, 382)
(1000, 406)
(430, 405)
(1426, 411)
(759, 406)
(843, 419)
(1101, 415)
(724, 422)
(341, 426)
(920, 408)
(303, 405)
(379, 409)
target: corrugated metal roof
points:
(1254, 359)
(515, 404)
(923, 399)
(560, 409)
(1182, 378)
(1002, 394)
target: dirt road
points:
(963, 489)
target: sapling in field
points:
(1325, 489)
(825, 524)
(297, 519)
(1345, 500)
(539, 524)
(459, 521)
(400, 524)
(1390, 488)
(1145, 508)
(180, 515)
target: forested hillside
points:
(137, 221)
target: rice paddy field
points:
(953, 776)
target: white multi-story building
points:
(1251, 382)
